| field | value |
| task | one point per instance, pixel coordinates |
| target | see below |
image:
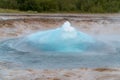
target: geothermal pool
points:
(62, 47)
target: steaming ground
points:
(21, 65)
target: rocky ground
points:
(64, 74)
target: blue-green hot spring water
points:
(63, 47)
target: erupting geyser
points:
(64, 45)
(63, 39)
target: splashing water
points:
(43, 49)
(63, 39)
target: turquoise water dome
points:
(63, 39)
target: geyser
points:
(63, 39)
(65, 45)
